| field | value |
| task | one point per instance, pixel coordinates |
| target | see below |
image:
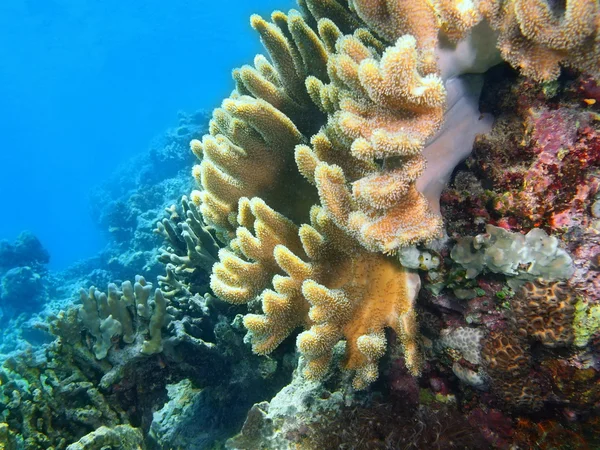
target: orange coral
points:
(323, 282)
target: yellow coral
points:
(249, 151)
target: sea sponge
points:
(545, 312)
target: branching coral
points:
(537, 37)
(381, 103)
(322, 281)
(379, 110)
(190, 250)
(250, 149)
(51, 401)
(125, 313)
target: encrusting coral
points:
(508, 363)
(371, 68)
(545, 312)
(526, 257)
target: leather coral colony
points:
(314, 170)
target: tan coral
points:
(249, 151)
(458, 17)
(382, 111)
(392, 19)
(545, 312)
(327, 285)
(539, 39)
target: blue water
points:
(86, 84)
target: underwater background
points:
(311, 224)
(87, 85)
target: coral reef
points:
(546, 312)
(125, 313)
(382, 107)
(120, 437)
(22, 288)
(537, 37)
(508, 363)
(27, 250)
(535, 255)
(130, 202)
(465, 340)
(190, 252)
(321, 208)
(24, 281)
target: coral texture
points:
(125, 313)
(535, 36)
(311, 200)
(331, 286)
(538, 38)
(545, 312)
(466, 340)
(535, 255)
(508, 363)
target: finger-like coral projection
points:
(538, 37)
(190, 249)
(322, 280)
(250, 149)
(535, 36)
(124, 313)
(310, 200)
(121, 436)
(381, 113)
